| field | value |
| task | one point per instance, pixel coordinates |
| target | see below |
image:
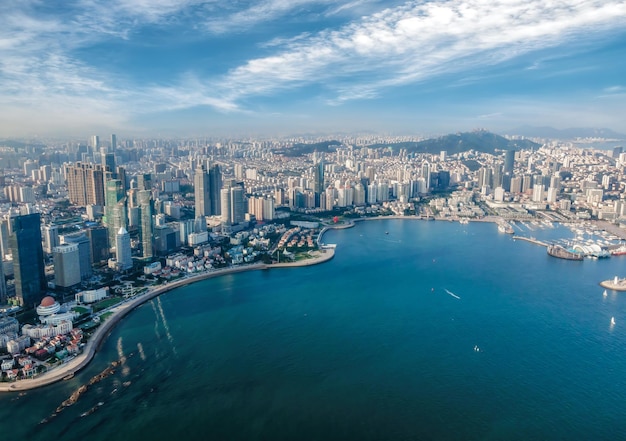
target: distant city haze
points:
(272, 68)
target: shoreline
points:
(123, 309)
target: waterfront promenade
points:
(121, 310)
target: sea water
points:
(415, 330)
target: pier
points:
(531, 240)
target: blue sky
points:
(281, 67)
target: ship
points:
(505, 227)
(621, 251)
(562, 253)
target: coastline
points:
(121, 310)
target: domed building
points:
(48, 306)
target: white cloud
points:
(407, 44)
(417, 41)
(258, 12)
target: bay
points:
(415, 330)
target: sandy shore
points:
(122, 309)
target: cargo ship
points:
(562, 253)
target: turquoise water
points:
(372, 345)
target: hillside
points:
(480, 140)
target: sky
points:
(287, 67)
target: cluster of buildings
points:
(74, 209)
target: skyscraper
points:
(509, 161)
(28, 266)
(50, 238)
(95, 143)
(225, 202)
(145, 225)
(201, 192)
(84, 252)
(66, 265)
(318, 180)
(123, 250)
(108, 163)
(99, 242)
(113, 142)
(144, 181)
(85, 184)
(237, 204)
(115, 208)
(215, 183)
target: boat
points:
(612, 321)
(621, 251)
(504, 227)
(464, 221)
(562, 253)
(604, 294)
(69, 376)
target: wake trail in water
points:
(452, 294)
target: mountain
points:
(479, 140)
(568, 134)
(300, 149)
(18, 144)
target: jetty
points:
(531, 240)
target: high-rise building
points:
(120, 172)
(426, 174)
(185, 228)
(144, 181)
(99, 242)
(215, 183)
(261, 207)
(237, 204)
(145, 225)
(113, 142)
(50, 238)
(108, 163)
(28, 265)
(123, 253)
(318, 180)
(84, 252)
(538, 195)
(94, 143)
(115, 208)
(66, 265)
(226, 209)
(4, 237)
(202, 195)
(509, 161)
(3, 284)
(85, 184)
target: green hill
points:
(304, 149)
(480, 140)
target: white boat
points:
(604, 293)
(612, 321)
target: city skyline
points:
(174, 68)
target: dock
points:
(531, 240)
